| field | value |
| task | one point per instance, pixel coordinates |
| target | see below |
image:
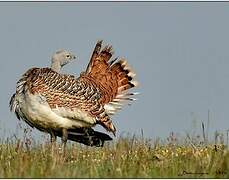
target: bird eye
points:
(68, 56)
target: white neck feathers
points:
(55, 65)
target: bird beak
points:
(74, 57)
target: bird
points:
(92, 138)
(64, 105)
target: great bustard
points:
(60, 103)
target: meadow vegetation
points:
(127, 157)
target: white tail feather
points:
(121, 99)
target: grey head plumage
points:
(61, 58)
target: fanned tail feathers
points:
(114, 76)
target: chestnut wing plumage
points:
(65, 91)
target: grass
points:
(128, 157)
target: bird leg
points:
(64, 138)
(53, 141)
(53, 137)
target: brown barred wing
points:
(68, 92)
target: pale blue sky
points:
(180, 52)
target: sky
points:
(179, 50)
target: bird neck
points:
(55, 66)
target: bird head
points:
(62, 57)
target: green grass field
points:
(127, 157)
